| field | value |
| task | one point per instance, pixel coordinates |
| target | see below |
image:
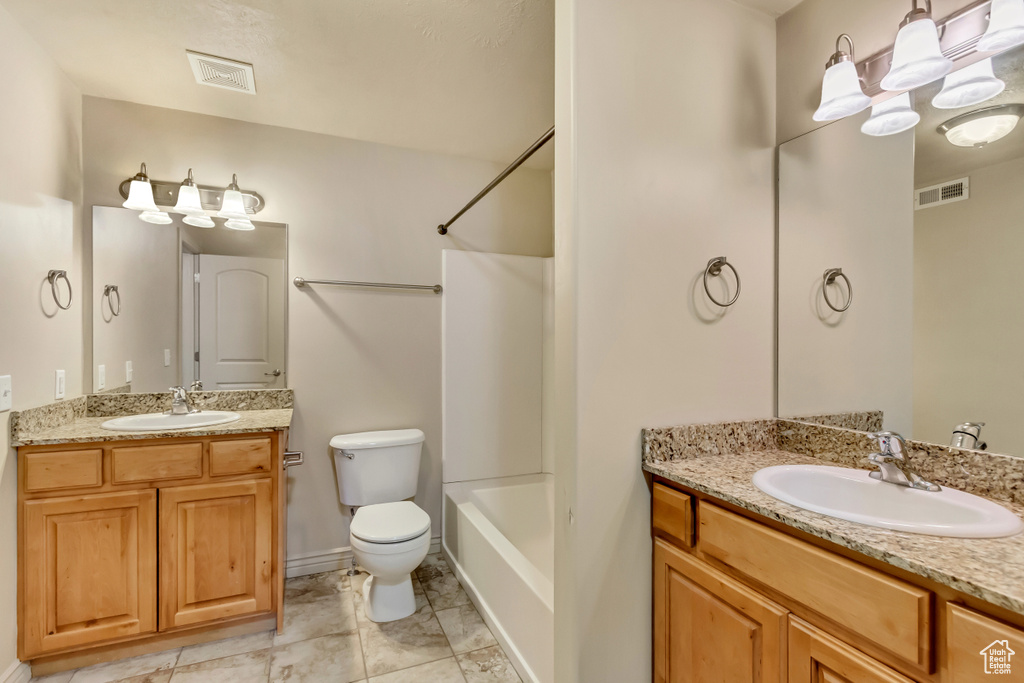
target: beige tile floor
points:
(328, 638)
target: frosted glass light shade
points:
(1005, 27)
(979, 132)
(969, 86)
(140, 197)
(199, 220)
(916, 57)
(239, 224)
(893, 116)
(157, 217)
(188, 201)
(232, 206)
(841, 93)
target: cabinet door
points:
(89, 569)
(215, 551)
(817, 657)
(980, 648)
(709, 627)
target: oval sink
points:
(854, 496)
(160, 422)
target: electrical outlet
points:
(101, 377)
(5, 393)
(58, 386)
(167, 358)
(128, 371)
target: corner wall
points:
(40, 229)
(665, 116)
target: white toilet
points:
(390, 535)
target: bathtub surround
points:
(989, 569)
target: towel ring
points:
(714, 269)
(109, 291)
(829, 278)
(53, 276)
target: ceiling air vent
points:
(946, 193)
(222, 73)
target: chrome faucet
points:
(892, 463)
(180, 405)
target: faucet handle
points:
(890, 443)
(178, 393)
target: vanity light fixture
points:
(984, 126)
(1005, 26)
(969, 86)
(893, 116)
(841, 92)
(189, 202)
(917, 58)
(233, 206)
(239, 224)
(140, 193)
(199, 221)
(156, 217)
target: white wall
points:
(493, 352)
(846, 201)
(968, 328)
(666, 130)
(141, 259)
(357, 359)
(40, 229)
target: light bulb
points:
(1005, 26)
(917, 58)
(893, 116)
(969, 86)
(156, 217)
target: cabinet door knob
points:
(275, 373)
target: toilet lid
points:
(389, 522)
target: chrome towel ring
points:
(53, 276)
(714, 269)
(109, 292)
(829, 278)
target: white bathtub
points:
(499, 539)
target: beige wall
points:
(40, 229)
(665, 160)
(358, 360)
(968, 328)
(807, 38)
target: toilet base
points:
(388, 600)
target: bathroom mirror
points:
(930, 237)
(180, 303)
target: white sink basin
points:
(160, 422)
(854, 496)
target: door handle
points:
(275, 373)
(293, 458)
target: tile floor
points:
(328, 638)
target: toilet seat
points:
(390, 523)
(412, 545)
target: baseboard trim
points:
(331, 560)
(17, 672)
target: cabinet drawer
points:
(155, 463)
(244, 456)
(817, 657)
(63, 470)
(978, 646)
(892, 614)
(672, 515)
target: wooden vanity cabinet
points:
(120, 542)
(741, 598)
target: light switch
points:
(167, 358)
(58, 386)
(101, 377)
(128, 371)
(5, 393)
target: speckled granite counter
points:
(989, 569)
(87, 429)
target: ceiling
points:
(471, 78)
(935, 159)
(773, 7)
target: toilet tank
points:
(377, 467)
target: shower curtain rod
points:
(443, 228)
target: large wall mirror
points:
(928, 231)
(181, 304)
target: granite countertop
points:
(87, 429)
(991, 569)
